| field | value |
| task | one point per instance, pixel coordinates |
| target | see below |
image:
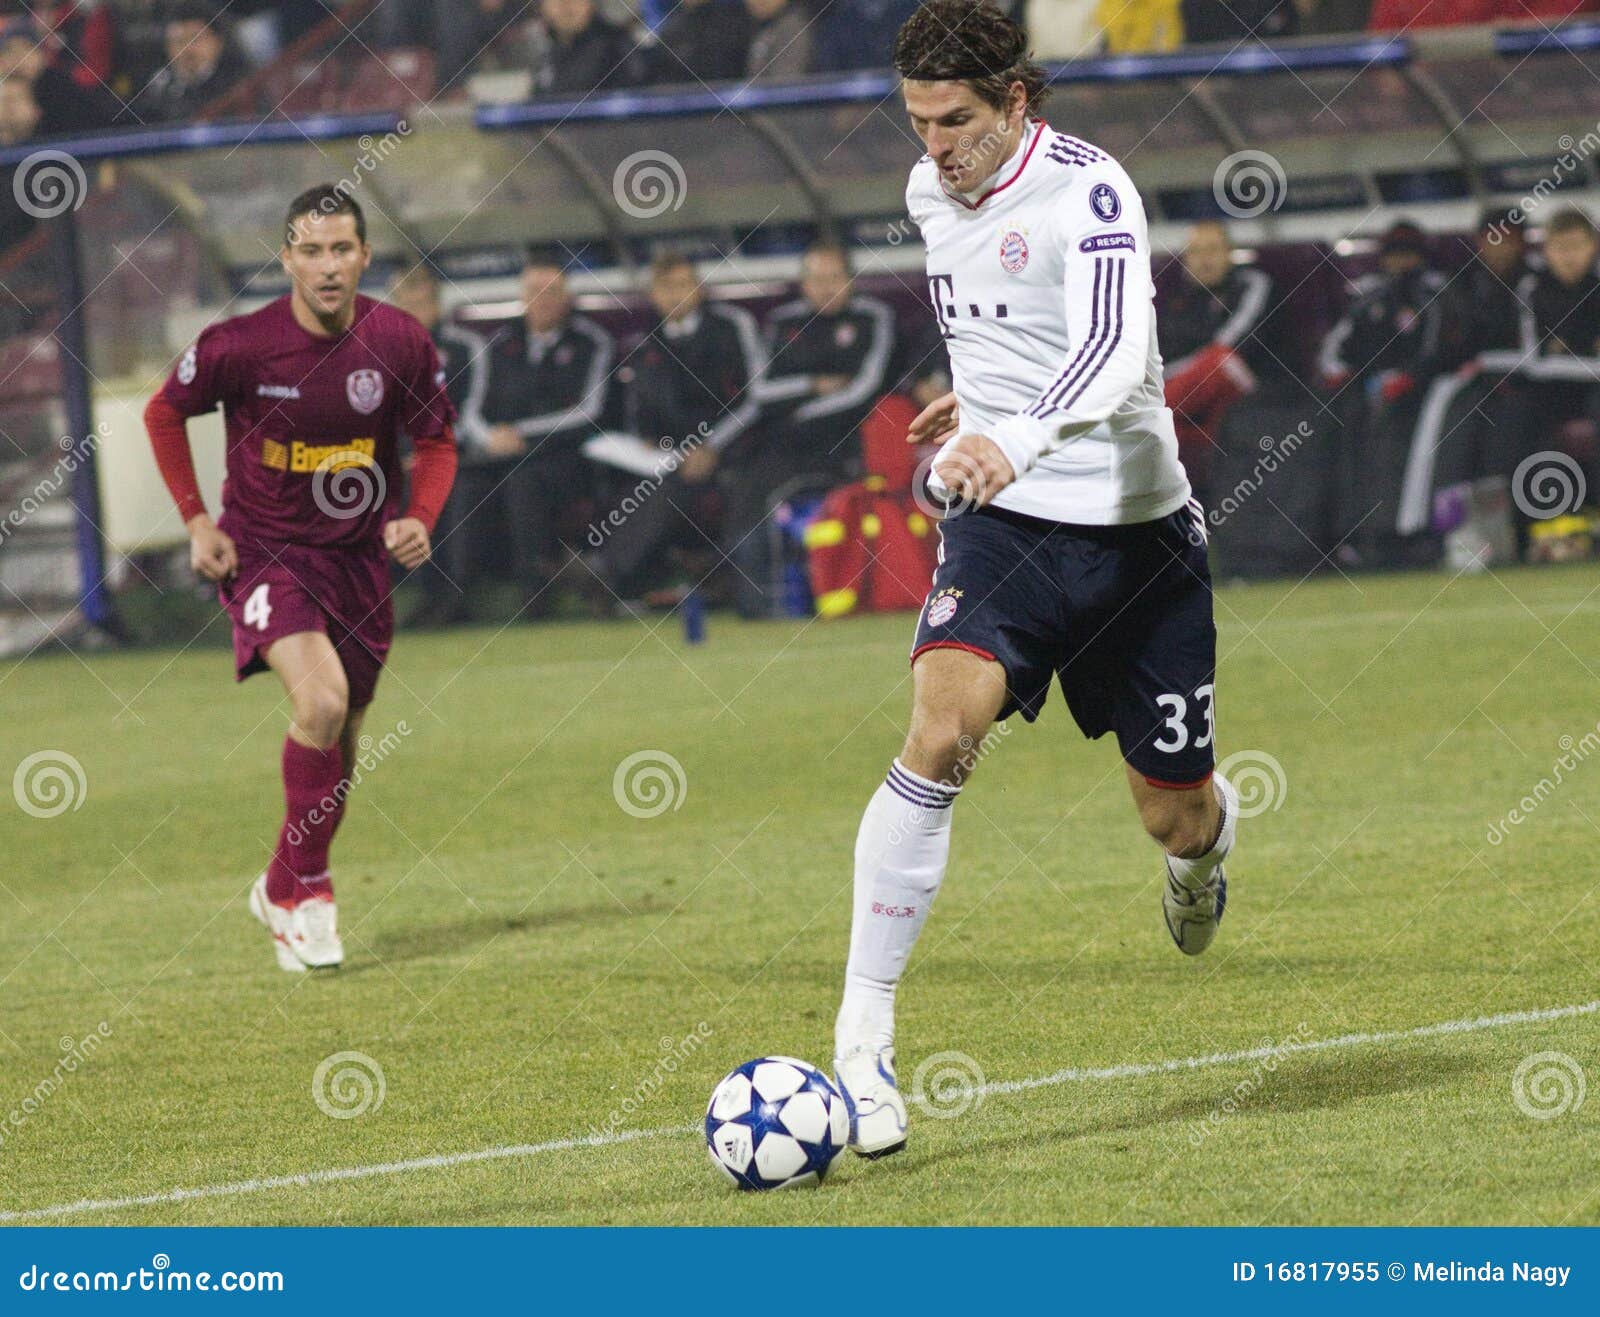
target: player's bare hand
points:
(406, 538)
(211, 550)
(698, 465)
(504, 441)
(973, 470)
(936, 422)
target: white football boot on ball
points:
(276, 919)
(1193, 909)
(865, 1077)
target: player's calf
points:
(1197, 841)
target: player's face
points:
(967, 137)
(825, 282)
(1570, 254)
(675, 292)
(544, 297)
(1206, 256)
(326, 260)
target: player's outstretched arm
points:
(211, 551)
(409, 538)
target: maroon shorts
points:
(282, 589)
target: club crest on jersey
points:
(942, 607)
(1013, 252)
(364, 388)
(1105, 202)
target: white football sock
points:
(901, 853)
(1196, 873)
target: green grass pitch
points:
(529, 963)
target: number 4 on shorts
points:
(257, 611)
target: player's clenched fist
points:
(972, 471)
(936, 422)
(406, 538)
(211, 550)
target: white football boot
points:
(865, 1077)
(1193, 913)
(314, 933)
(276, 919)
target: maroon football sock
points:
(314, 798)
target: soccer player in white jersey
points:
(1076, 553)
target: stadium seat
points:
(304, 87)
(390, 79)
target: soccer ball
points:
(776, 1122)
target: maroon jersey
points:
(313, 422)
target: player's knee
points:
(320, 710)
(939, 746)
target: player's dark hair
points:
(969, 41)
(1570, 220)
(326, 200)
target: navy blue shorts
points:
(1121, 615)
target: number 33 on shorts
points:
(1180, 722)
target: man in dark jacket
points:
(521, 438)
(582, 52)
(201, 65)
(702, 41)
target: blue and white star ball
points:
(775, 1123)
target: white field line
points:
(311, 1179)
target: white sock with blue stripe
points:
(901, 852)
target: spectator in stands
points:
(1211, 323)
(858, 34)
(580, 52)
(1387, 346)
(457, 31)
(522, 435)
(201, 65)
(828, 356)
(687, 384)
(1064, 29)
(1238, 20)
(1483, 307)
(780, 41)
(65, 106)
(1134, 27)
(19, 121)
(702, 41)
(464, 356)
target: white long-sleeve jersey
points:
(1042, 288)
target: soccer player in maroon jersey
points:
(316, 389)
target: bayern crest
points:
(942, 607)
(364, 388)
(1013, 252)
